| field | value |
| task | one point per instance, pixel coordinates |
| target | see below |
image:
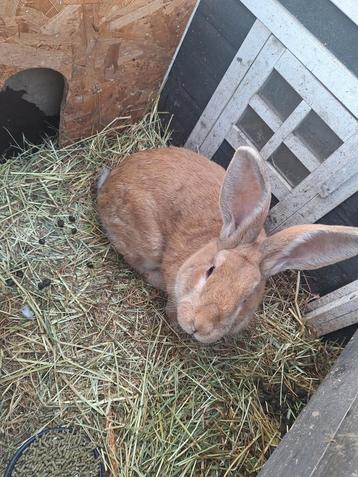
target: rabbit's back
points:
(161, 200)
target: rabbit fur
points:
(196, 232)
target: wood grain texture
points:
(341, 457)
(334, 311)
(113, 54)
(322, 439)
(308, 50)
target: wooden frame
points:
(323, 439)
(282, 131)
(335, 310)
(305, 203)
(307, 49)
(314, 196)
(319, 99)
(349, 8)
(251, 82)
(238, 68)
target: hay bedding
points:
(84, 342)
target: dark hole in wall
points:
(30, 105)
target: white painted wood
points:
(253, 80)
(280, 187)
(298, 148)
(320, 100)
(285, 129)
(330, 182)
(265, 112)
(317, 207)
(350, 170)
(333, 296)
(179, 45)
(304, 204)
(236, 138)
(313, 210)
(335, 313)
(349, 8)
(307, 48)
(272, 119)
(250, 48)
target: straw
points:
(97, 352)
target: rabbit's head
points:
(218, 288)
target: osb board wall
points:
(112, 53)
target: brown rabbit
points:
(196, 232)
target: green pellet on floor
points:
(58, 454)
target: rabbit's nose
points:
(201, 326)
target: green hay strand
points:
(99, 354)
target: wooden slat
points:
(265, 112)
(305, 46)
(299, 149)
(304, 447)
(333, 296)
(280, 188)
(341, 456)
(317, 207)
(236, 138)
(304, 204)
(244, 58)
(254, 78)
(335, 310)
(285, 129)
(349, 8)
(320, 100)
(307, 158)
(350, 170)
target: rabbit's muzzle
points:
(204, 323)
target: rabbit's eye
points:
(210, 271)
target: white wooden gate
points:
(288, 96)
(308, 138)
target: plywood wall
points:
(112, 53)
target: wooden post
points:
(324, 440)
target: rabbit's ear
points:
(307, 247)
(244, 199)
